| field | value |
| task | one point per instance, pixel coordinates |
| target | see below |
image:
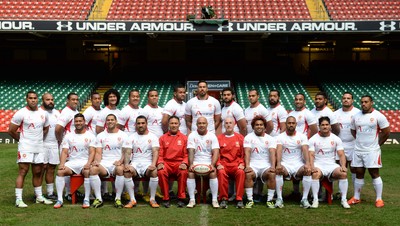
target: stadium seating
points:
(287, 89)
(45, 9)
(363, 9)
(385, 94)
(13, 95)
(165, 91)
(234, 10)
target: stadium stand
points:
(13, 95)
(287, 89)
(45, 9)
(363, 9)
(234, 10)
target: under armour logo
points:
(64, 26)
(387, 27)
(225, 27)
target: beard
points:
(48, 106)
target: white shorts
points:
(259, 171)
(109, 166)
(76, 165)
(292, 168)
(140, 168)
(28, 157)
(326, 168)
(348, 153)
(370, 159)
(52, 155)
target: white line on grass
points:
(204, 215)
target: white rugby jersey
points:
(128, 118)
(142, 146)
(291, 146)
(367, 128)
(31, 125)
(325, 148)
(234, 110)
(202, 145)
(154, 118)
(278, 115)
(259, 146)
(78, 145)
(111, 144)
(206, 108)
(251, 112)
(304, 119)
(91, 115)
(66, 119)
(344, 119)
(174, 108)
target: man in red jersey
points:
(230, 163)
(173, 161)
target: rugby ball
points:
(202, 169)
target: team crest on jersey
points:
(332, 143)
(237, 144)
(266, 143)
(209, 105)
(86, 140)
(149, 141)
(298, 141)
(179, 142)
(371, 119)
(300, 117)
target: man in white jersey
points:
(29, 126)
(344, 115)
(260, 160)
(154, 114)
(52, 152)
(321, 109)
(203, 105)
(129, 113)
(306, 124)
(323, 147)
(257, 108)
(111, 100)
(277, 111)
(371, 129)
(292, 161)
(65, 124)
(203, 148)
(92, 111)
(79, 147)
(233, 109)
(175, 107)
(108, 161)
(140, 161)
